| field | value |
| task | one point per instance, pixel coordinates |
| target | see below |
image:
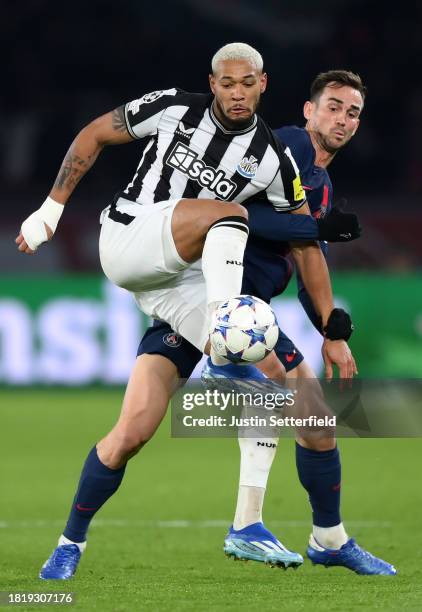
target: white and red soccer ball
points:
(244, 329)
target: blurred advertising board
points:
(81, 330)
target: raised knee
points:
(230, 211)
(222, 211)
(239, 210)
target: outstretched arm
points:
(314, 272)
(109, 129)
(267, 223)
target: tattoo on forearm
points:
(118, 119)
(74, 167)
(72, 170)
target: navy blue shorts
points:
(160, 339)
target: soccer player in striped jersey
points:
(205, 155)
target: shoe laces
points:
(361, 553)
(64, 554)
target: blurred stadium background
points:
(62, 324)
(75, 66)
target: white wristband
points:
(51, 211)
(33, 228)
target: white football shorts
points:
(137, 250)
(138, 253)
(183, 306)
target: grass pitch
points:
(157, 544)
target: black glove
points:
(339, 325)
(338, 226)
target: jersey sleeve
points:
(266, 223)
(300, 145)
(286, 192)
(143, 114)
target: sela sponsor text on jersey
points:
(186, 160)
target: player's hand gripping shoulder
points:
(109, 129)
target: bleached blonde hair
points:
(238, 51)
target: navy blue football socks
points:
(96, 485)
(320, 474)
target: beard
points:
(325, 143)
(233, 124)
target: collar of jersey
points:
(223, 129)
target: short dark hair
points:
(337, 78)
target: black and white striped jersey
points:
(191, 155)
